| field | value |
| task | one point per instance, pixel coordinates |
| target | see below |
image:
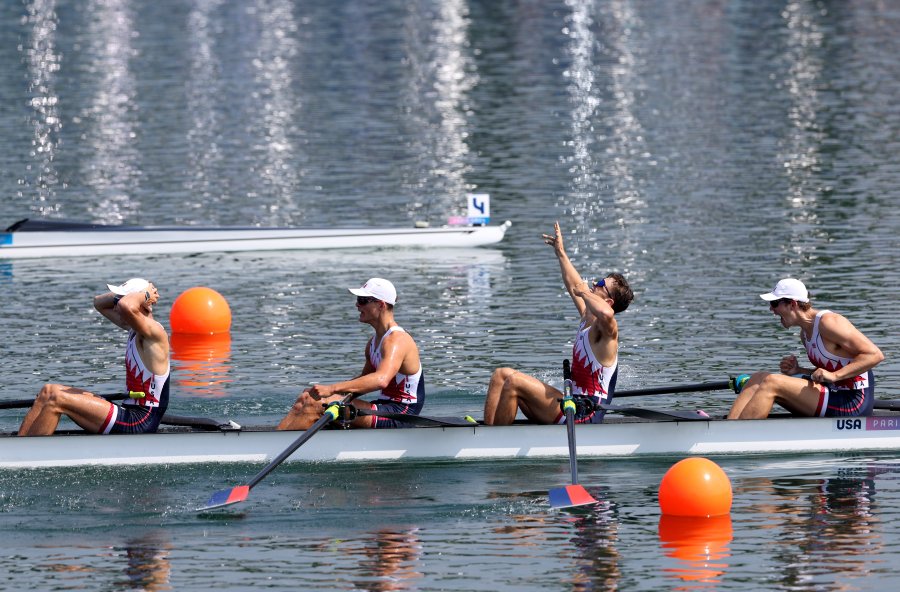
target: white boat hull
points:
(150, 240)
(616, 438)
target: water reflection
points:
(701, 546)
(112, 162)
(823, 527)
(141, 562)
(204, 94)
(387, 561)
(589, 559)
(595, 540)
(585, 98)
(833, 521)
(43, 61)
(607, 136)
(274, 111)
(441, 75)
(202, 363)
(800, 149)
(148, 566)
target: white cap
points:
(788, 288)
(130, 287)
(377, 288)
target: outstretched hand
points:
(555, 241)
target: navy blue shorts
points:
(134, 419)
(388, 406)
(847, 402)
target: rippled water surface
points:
(704, 149)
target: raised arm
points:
(600, 309)
(133, 309)
(106, 304)
(570, 276)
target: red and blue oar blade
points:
(570, 496)
(226, 497)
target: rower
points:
(595, 355)
(129, 306)
(840, 383)
(392, 368)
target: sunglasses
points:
(364, 300)
(601, 283)
(776, 303)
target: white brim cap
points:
(377, 288)
(787, 288)
(130, 287)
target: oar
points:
(420, 420)
(679, 388)
(574, 494)
(226, 497)
(23, 403)
(200, 423)
(658, 414)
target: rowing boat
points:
(57, 238)
(617, 437)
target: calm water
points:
(704, 149)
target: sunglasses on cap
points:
(364, 300)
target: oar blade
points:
(570, 496)
(226, 497)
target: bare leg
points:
(303, 413)
(799, 396)
(538, 401)
(746, 394)
(492, 399)
(83, 407)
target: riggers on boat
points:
(52, 238)
(677, 433)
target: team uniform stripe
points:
(823, 401)
(110, 419)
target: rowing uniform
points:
(851, 396)
(591, 380)
(138, 415)
(405, 394)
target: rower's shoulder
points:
(829, 319)
(601, 327)
(401, 337)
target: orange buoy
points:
(695, 487)
(200, 310)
